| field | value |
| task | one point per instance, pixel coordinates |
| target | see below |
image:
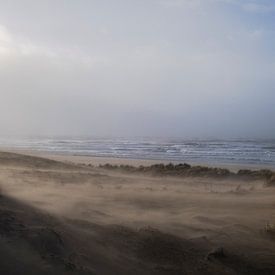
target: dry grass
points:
(186, 170)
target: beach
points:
(101, 160)
(65, 214)
(137, 137)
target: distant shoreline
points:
(100, 160)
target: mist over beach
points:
(161, 68)
(137, 137)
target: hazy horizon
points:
(156, 68)
(129, 137)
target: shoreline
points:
(100, 160)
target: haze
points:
(189, 68)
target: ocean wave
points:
(236, 151)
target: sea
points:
(216, 151)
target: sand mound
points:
(14, 159)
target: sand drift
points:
(60, 218)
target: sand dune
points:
(61, 218)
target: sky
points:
(158, 68)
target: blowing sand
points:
(63, 218)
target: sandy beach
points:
(98, 160)
(60, 217)
(137, 137)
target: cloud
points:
(245, 5)
(181, 3)
(92, 69)
(5, 36)
(10, 44)
(15, 46)
(258, 8)
(5, 41)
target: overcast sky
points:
(183, 68)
